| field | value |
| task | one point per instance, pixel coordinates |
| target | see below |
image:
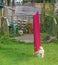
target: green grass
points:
(20, 53)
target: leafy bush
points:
(43, 36)
(47, 25)
(57, 26)
(1, 33)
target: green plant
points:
(47, 25)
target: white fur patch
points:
(41, 52)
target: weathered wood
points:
(4, 26)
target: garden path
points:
(25, 38)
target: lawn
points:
(20, 53)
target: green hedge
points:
(47, 25)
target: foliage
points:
(41, 1)
(57, 22)
(44, 35)
(38, 1)
(47, 25)
(1, 33)
(56, 26)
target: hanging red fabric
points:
(36, 26)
